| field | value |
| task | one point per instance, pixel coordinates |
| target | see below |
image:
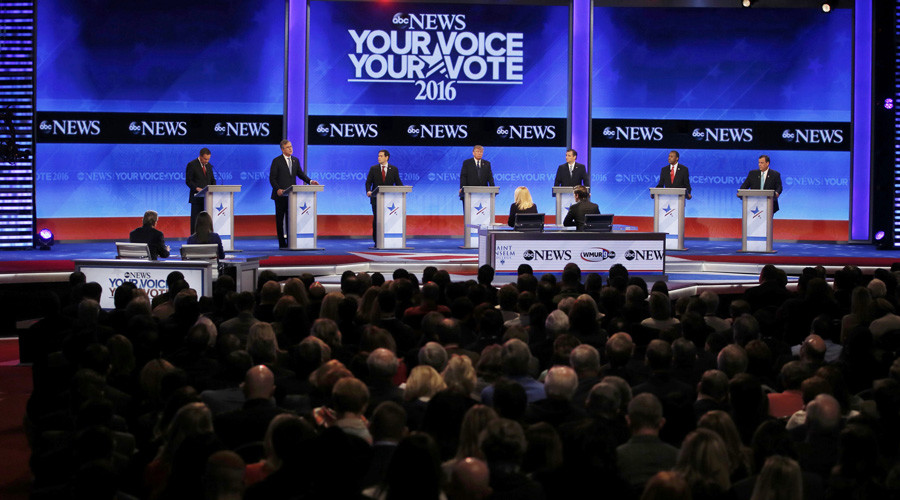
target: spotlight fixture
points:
(748, 3)
(44, 239)
(828, 5)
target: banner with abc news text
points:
(157, 128)
(436, 131)
(710, 134)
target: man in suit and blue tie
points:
(571, 173)
(382, 174)
(764, 178)
(475, 171)
(283, 173)
(675, 175)
(198, 175)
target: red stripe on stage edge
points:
(113, 228)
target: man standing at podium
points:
(571, 173)
(675, 175)
(198, 175)
(283, 173)
(382, 174)
(475, 171)
(764, 178)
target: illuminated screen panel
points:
(722, 86)
(129, 92)
(427, 82)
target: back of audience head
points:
(645, 414)
(666, 485)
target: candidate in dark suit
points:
(198, 175)
(675, 175)
(283, 172)
(382, 174)
(151, 236)
(764, 178)
(580, 208)
(571, 173)
(475, 171)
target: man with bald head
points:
(818, 446)
(469, 480)
(557, 408)
(249, 424)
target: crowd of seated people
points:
(396, 387)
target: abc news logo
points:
(643, 255)
(723, 134)
(348, 130)
(429, 22)
(242, 129)
(159, 128)
(527, 132)
(547, 255)
(437, 131)
(654, 134)
(813, 136)
(70, 127)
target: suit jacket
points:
(391, 178)
(281, 178)
(153, 238)
(194, 177)
(576, 214)
(469, 175)
(682, 180)
(578, 178)
(773, 181)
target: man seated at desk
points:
(151, 236)
(580, 208)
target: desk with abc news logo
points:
(549, 251)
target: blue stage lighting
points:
(45, 239)
(879, 236)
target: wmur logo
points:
(813, 136)
(527, 132)
(158, 128)
(437, 131)
(597, 255)
(547, 255)
(633, 133)
(429, 22)
(242, 129)
(643, 255)
(348, 130)
(70, 127)
(723, 134)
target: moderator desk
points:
(549, 251)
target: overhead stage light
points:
(828, 5)
(44, 239)
(879, 236)
(748, 3)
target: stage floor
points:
(704, 262)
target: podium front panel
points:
(305, 214)
(393, 219)
(481, 214)
(668, 218)
(220, 205)
(756, 224)
(563, 202)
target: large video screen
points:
(427, 82)
(722, 86)
(129, 92)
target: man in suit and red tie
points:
(283, 173)
(475, 171)
(764, 178)
(675, 175)
(198, 175)
(382, 174)
(571, 173)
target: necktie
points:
(673, 175)
(383, 173)
(762, 180)
(204, 169)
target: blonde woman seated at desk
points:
(522, 205)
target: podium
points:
(668, 215)
(302, 227)
(565, 198)
(390, 224)
(219, 204)
(478, 210)
(756, 223)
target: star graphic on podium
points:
(303, 208)
(480, 208)
(393, 208)
(220, 209)
(668, 210)
(756, 211)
